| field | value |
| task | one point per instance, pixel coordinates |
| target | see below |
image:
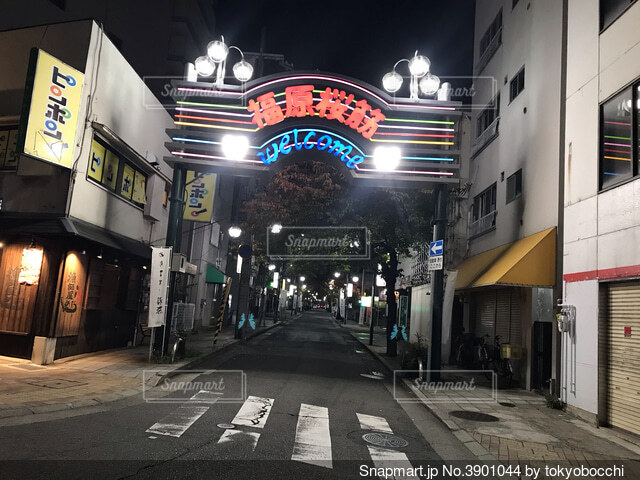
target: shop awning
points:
(474, 266)
(214, 275)
(528, 262)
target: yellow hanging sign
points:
(127, 181)
(199, 194)
(53, 113)
(96, 161)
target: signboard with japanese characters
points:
(126, 187)
(72, 294)
(319, 113)
(158, 287)
(111, 166)
(139, 188)
(8, 156)
(199, 194)
(50, 133)
(96, 162)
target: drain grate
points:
(385, 440)
(507, 404)
(473, 416)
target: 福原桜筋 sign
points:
(50, 133)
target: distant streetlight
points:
(235, 232)
(302, 278)
(419, 67)
(272, 267)
(336, 274)
(276, 228)
(355, 279)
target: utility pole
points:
(437, 284)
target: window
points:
(484, 203)
(514, 186)
(517, 85)
(122, 178)
(610, 10)
(491, 35)
(617, 159)
(488, 116)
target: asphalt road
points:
(308, 406)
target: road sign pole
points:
(437, 285)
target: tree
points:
(397, 220)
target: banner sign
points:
(199, 193)
(53, 112)
(160, 268)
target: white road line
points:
(371, 422)
(178, 421)
(236, 438)
(254, 412)
(313, 441)
(385, 458)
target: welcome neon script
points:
(270, 154)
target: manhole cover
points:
(57, 384)
(474, 416)
(385, 440)
(227, 426)
(507, 404)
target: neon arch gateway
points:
(308, 139)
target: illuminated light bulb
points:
(204, 66)
(235, 232)
(386, 159)
(429, 84)
(276, 228)
(217, 51)
(419, 65)
(235, 147)
(243, 70)
(392, 82)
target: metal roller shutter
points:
(503, 314)
(485, 320)
(515, 328)
(621, 317)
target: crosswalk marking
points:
(178, 421)
(384, 457)
(238, 437)
(313, 441)
(371, 422)
(254, 412)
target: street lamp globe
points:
(217, 51)
(235, 147)
(355, 279)
(419, 65)
(302, 278)
(272, 267)
(276, 228)
(336, 274)
(429, 84)
(204, 66)
(235, 232)
(242, 70)
(386, 159)
(392, 81)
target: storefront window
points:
(615, 140)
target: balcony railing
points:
(490, 51)
(482, 225)
(485, 137)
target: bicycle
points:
(495, 363)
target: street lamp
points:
(272, 267)
(355, 279)
(419, 67)
(235, 147)
(302, 278)
(276, 228)
(235, 232)
(216, 57)
(336, 274)
(386, 159)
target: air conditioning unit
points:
(178, 262)
(190, 268)
(182, 317)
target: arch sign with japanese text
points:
(318, 114)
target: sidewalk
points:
(97, 378)
(513, 426)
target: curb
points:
(462, 435)
(89, 401)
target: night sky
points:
(356, 38)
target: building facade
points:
(76, 235)
(506, 281)
(601, 364)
